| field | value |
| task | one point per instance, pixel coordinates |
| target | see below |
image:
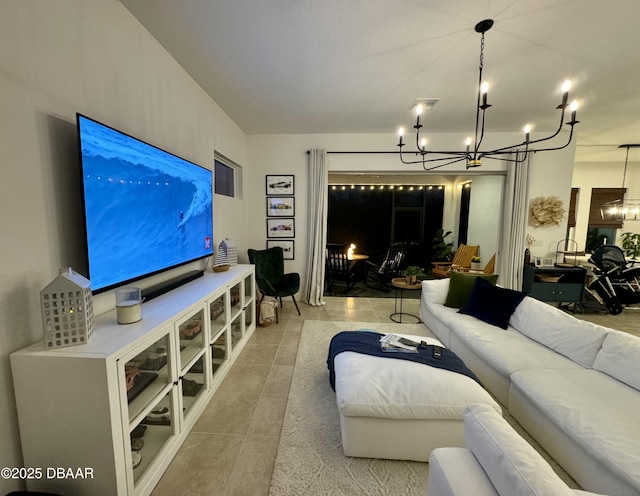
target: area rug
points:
(310, 461)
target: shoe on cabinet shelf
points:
(136, 458)
(190, 388)
(138, 431)
(191, 330)
(159, 416)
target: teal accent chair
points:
(270, 276)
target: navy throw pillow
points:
(492, 304)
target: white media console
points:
(86, 407)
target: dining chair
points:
(338, 267)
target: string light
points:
(396, 187)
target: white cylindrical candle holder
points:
(128, 305)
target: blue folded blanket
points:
(368, 343)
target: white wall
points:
(588, 175)
(550, 174)
(90, 56)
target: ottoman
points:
(401, 410)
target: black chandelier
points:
(473, 155)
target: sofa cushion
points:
(505, 350)
(492, 304)
(619, 357)
(435, 291)
(460, 286)
(369, 386)
(512, 465)
(596, 411)
(576, 339)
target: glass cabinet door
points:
(193, 384)
(191, 332)
(219, 353)
(249, 313)
(236, 331)
(146, 374)
(249, 289)
(150, 434)
(218, 313)
(235, 294)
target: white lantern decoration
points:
(230, 248)
(67, 310)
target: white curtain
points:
(317, 225)
(514, 216)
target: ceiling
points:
(356, 66)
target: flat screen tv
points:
(146, 210)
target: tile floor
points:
(232, 448)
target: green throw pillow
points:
(460, 286)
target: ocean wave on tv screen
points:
(101, 141)
(140, 221)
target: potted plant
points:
(631, 244)
(411, 273)
(441, 250)
(476, 263)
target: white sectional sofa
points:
(495, 462)
(574, 386)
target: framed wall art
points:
(280, 206)
(286, 245)
(280, 185)
(281, 228)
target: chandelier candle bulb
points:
(573, 108)
(484, 89)
(566, 86)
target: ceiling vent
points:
(427, 103)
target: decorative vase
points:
(410, 279)
(476, 265)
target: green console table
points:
(555, 284)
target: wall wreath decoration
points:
(546, 211)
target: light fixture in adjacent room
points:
(473, 154)
(622, 209)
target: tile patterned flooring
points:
(232, 448)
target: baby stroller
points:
(617, 283)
